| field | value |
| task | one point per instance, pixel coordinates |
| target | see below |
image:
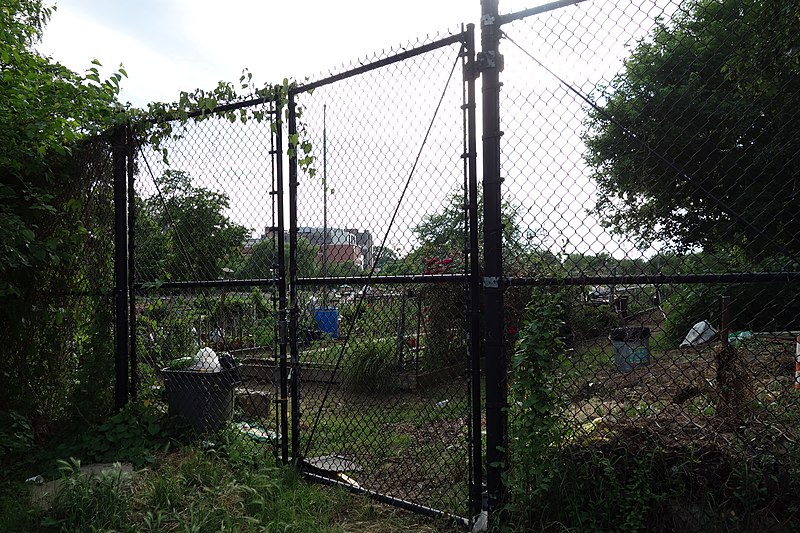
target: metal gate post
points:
(282, 302)
(134, 381)
(490, 63)
(293, 304)
(473, 273)
(119, 151)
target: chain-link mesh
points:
(206, 270)
(382, 361)
(371, 297)
(650, 164)
(59, 325)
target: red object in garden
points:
(797, 364)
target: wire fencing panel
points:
(381, 356)
(206, 276)
(58, 318)
(650, 163)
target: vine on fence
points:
(534, 403)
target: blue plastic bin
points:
(327, 319)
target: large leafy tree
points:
(442, 235)
(55, 213)
(184, 233)
(47, 111)
(710, 101)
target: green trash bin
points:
(631, 347)
(204, 399)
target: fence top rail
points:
(657, 279)
(221, 108)
(374, 65)
(538, 10)
(384, 280)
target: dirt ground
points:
(682, 395)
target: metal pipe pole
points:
(121, 352)
(724, 318)
(473, 275)
(293, 303)
(324, 199)
(282, 300)
(490, 63)
(134, 384)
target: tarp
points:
(701, 333)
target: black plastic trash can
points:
(203, 399)
(631, 347)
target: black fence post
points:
(490, 63)
(281, 257)
(134, 381)
(119, 151)
(293, 303)
(474, 284)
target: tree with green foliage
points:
(263, 258)
(386, 259)
(47, 111)
(55, 213)
(712, 98)
(442, 235)
(184, 233)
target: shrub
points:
(753, 306)
(533, 418)
(443, 324)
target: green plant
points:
(52, 246)
(16, 433)
(534, 424)
(370, 365)
(167, 330)
(85, 501)
(133, 434)
(442, 324)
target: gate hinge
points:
(491, 282)
(471, 72)
(283, 332)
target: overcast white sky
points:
(171, 45)
(168, 46)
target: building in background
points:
(364, 241)
(340, 245)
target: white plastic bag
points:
(206, 360)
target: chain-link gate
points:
(382, 400)
(296, 320)
(209, 279)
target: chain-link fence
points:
(57, 311)
(628, 269)
(206, 270)
(383, 399)
(319, 315)
(650, 166)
